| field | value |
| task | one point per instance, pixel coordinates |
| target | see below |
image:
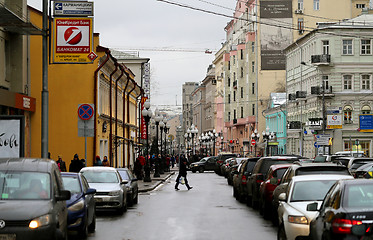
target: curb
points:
(159, 182)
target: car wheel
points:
(84, 232)
(201, 170)
(248, 201)
(234, 193)
(92, 226)
(194, 171)
(254, 204)
(130, 200)
(281, 234)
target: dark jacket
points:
(62, 165)
(183, 168)
(76, 165)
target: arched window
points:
(365, 109)
(347, 114)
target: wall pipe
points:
(128, 121)
(124, 118)
(95, 99)
(111, 115)
(116, 114)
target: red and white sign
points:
(144, 134)
(253, 142)
(73, 40)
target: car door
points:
(60, 209)
(210, 164)
(89, 199)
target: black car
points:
(240, 177)
(347, 203)
(132, 186)
(365, 171)
(220, 161)
(205, 164)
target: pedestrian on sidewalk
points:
(182, 173)
(76, 164)
(97, 161)
(61, 164)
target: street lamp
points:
(213, 136)
(268, 136)
(255, 136)
(187, 137)
(161, 127)
(193, 131)
(147, 114)
(157, 119)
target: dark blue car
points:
(81, 205)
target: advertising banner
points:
(334, 121)
(275, 32)
(366, 122)
(73, 40)
(144, 134)
(11, 136)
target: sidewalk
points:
(149, 186)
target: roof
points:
(26, 164)
(98, 168)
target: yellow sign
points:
(333, 126)
(73, 40)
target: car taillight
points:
(244, 180)
(343, 226)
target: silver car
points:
(294, 219)
(110, 188)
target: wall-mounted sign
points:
(366, 123)
(334, 121)
(73, 40)
(11, 136)
(62, 8)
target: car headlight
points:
(115, 193)
(298, 219)
(77, 206)
(40, 221)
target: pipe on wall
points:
(124, 118)
(111, 113)
(116, 114)
(128, 121)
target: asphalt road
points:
(208, 211)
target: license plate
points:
(7, 237)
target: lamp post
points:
(166, 129)
(157, 119)
(193, 131)
(161, 127)
(187, 138)
(213, 136)
(147, 114)
(267, 135)
(255, 136)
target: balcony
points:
(301, 94)
(295, 125)
(323, 59)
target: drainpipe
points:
(124, 118)
(95, 99)
(111, 115)
(128, 121)
(116, 113)
(138, 102)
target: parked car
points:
(365, 171)
(293, 217)
(81, 206)
(266, 189)
(33, 199)
(240, 177)
(304, 169)
(221, 157)
(260, 173)
(347, 203)
(132, 185)
(205, 164)
(351, 153)
(227, 164)
(232, 169)
(111, 190)
(355, 163)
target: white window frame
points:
(347, 47)
(300, 4)
(362, 84)
(325, 47)
(351, 83)
(367, 47)
(316, 5)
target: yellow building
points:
(72, 84)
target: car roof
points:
(26, 164)
(278, 166)
(321, 177)
(356, 181)
(122, 169)
(69, 174)
(99, 169)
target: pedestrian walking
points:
(61, 164)
(97, 161)
(138, 169)
(182, 173)
(76, 164)
(105, 162)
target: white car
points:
(111, 191)
(294, 219)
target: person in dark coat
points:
(182, 173)
(76, 164)
(61, 164)
(97, 161)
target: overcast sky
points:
(138, 24)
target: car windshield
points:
(16, 185)
(322, 170)
(310, 190)
(320, 159)
(358, 196)
(72, 184)
(101, 177)
(269, 162)
(124, 174)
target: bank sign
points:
(366, 123)
(73, 40)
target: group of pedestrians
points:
(77, 164)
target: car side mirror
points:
(359, 230)
(273, 181)
(282, 197)
(63, 196)
(312, 207)
(124, 182)
(134, 179)
(90, 191)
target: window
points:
(241, 54)
(241, 92)
(229, 65)
(347, 114)
(252, 66)
(300, 25)
(253, 88)
(347, 47)
(325, 82)
(365, 47)
(229, 81)
(316, 5)
(300, 4)
(347, 82)
(360, 5)
(234, 114)
(365, 110)
(241, 72)
(253, 109)
(241, 112)
(252, 46)
(234, 60)
(325, 47)
(365, 82)
(229, 98)
(234, 96)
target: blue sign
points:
(58, 6)
(315, 144)
(85, 112)
(366, 122)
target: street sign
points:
(85, 111)
(322, 139)
(253, 142)
(76, 8)
(334, 121)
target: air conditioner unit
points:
(299, 11)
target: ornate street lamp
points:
(267, 136)
(193, 131)
(255, 136)
(187, 137)
(213, 135)
(147, 114)
(161, 128)
(157, 119)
